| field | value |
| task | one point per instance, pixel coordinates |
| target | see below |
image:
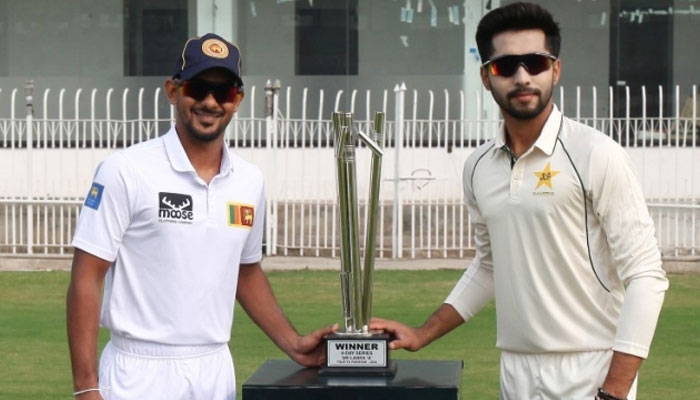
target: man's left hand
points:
(310, 350)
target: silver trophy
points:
(356, 350)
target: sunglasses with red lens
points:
(199, 90)
(506, 66)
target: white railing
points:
(47, 161)
(41, 226)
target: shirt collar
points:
(547, 138)
(179, 160)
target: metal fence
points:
(47, 161)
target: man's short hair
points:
(517, 16)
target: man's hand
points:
(405, 337)
(310, 350)
(256, 297)
(623, 370)
(443, 320)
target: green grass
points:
(34, 354)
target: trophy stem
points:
(346, 302)
(372, 220)
(345, 257)
(351, 275)
(356, 274)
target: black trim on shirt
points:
(512, 156)
(471, 178)
(585, 211)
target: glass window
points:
(326, 38)
(154, 32)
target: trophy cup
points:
(356, 350)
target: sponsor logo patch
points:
(175, 207)
(94, 196)
(240, 215)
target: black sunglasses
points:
(507, 65)
(199, 90)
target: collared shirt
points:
(565, 243)
(176, 243)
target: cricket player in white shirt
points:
(173, 227)
(564, 241)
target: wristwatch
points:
(603, 395)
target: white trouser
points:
(555, 376)
(131, 370)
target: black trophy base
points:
(358, 355)
(414, 380)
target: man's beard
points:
(522, 114)
(201, 136)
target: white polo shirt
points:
(176, 243)
(564, 241)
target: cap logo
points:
(215, 48)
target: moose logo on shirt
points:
(175, 207)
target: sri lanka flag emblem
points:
(94, 196)
(240, 215)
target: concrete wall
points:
(309, 173)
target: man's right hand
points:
(443, 320)
(404, 336)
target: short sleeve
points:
(106, 212)
(252, 250)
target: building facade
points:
(342, 44)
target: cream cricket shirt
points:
(176, 243)
(564, 241)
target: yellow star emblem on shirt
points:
(545, 177)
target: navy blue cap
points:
(205, 52)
